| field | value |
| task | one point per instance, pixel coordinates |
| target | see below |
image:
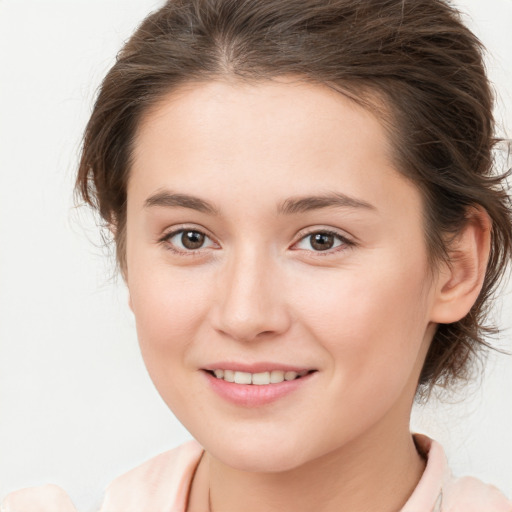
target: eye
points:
(186, 240)
(322, 241)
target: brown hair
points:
(414, 57)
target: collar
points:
(428, 494)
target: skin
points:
(362, 314)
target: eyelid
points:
(175, 230)
(347, 241)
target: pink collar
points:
(428, 494)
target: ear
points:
(460, 280)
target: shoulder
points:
(161, 483)
(439, 491)
(44, 498)
(469, 494)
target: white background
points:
(76, 405)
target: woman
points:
(304, 210)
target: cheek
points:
(168, 306)
(371, 321)
(372, 331)
(169, 309)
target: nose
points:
(251, 300)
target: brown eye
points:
(322, 241)
(192, 239)
(188, 240)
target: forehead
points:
(283, 137)
(261, 111)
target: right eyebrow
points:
(167, 199)
(303, 204)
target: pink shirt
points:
(162, 485)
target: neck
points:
(376, 472)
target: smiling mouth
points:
(258, 379)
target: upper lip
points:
(258, 367)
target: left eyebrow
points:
(167, 199)
(304, 204)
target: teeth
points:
(261, 379)
(276, 376)
(258, 379)
(242, 378)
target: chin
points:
(257, 455)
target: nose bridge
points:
(251, 303)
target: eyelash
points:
(344, 245)
(165, 241)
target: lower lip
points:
(252, 395)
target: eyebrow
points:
(290, 206)
(168, 199)
(304, 204)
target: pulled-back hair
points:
(412, 62)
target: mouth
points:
(265, 384)
(260, 378)
(257, 384)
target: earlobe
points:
(460, 280)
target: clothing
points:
(162, 485)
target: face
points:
(269, 235)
